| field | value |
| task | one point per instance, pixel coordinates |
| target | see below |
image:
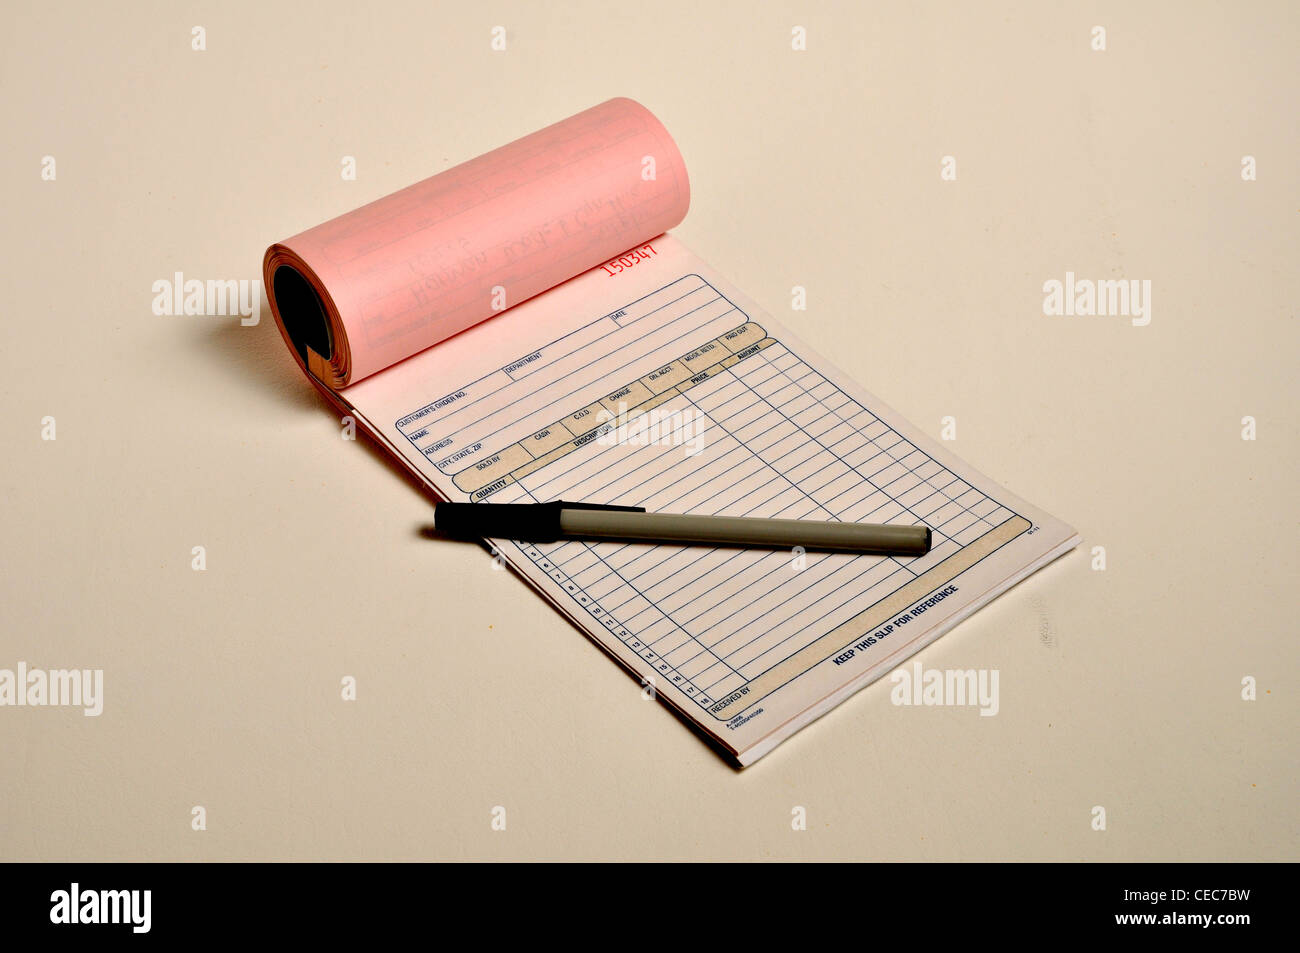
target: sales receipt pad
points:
(520, 329)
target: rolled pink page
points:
(372, 287)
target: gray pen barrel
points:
(739, 530)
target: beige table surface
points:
(1120, 688)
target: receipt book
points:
(521, 328)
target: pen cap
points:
(534, 522)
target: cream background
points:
(821, 168)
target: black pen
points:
(549, 522)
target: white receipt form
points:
(650, 381)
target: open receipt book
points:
(521, 329)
